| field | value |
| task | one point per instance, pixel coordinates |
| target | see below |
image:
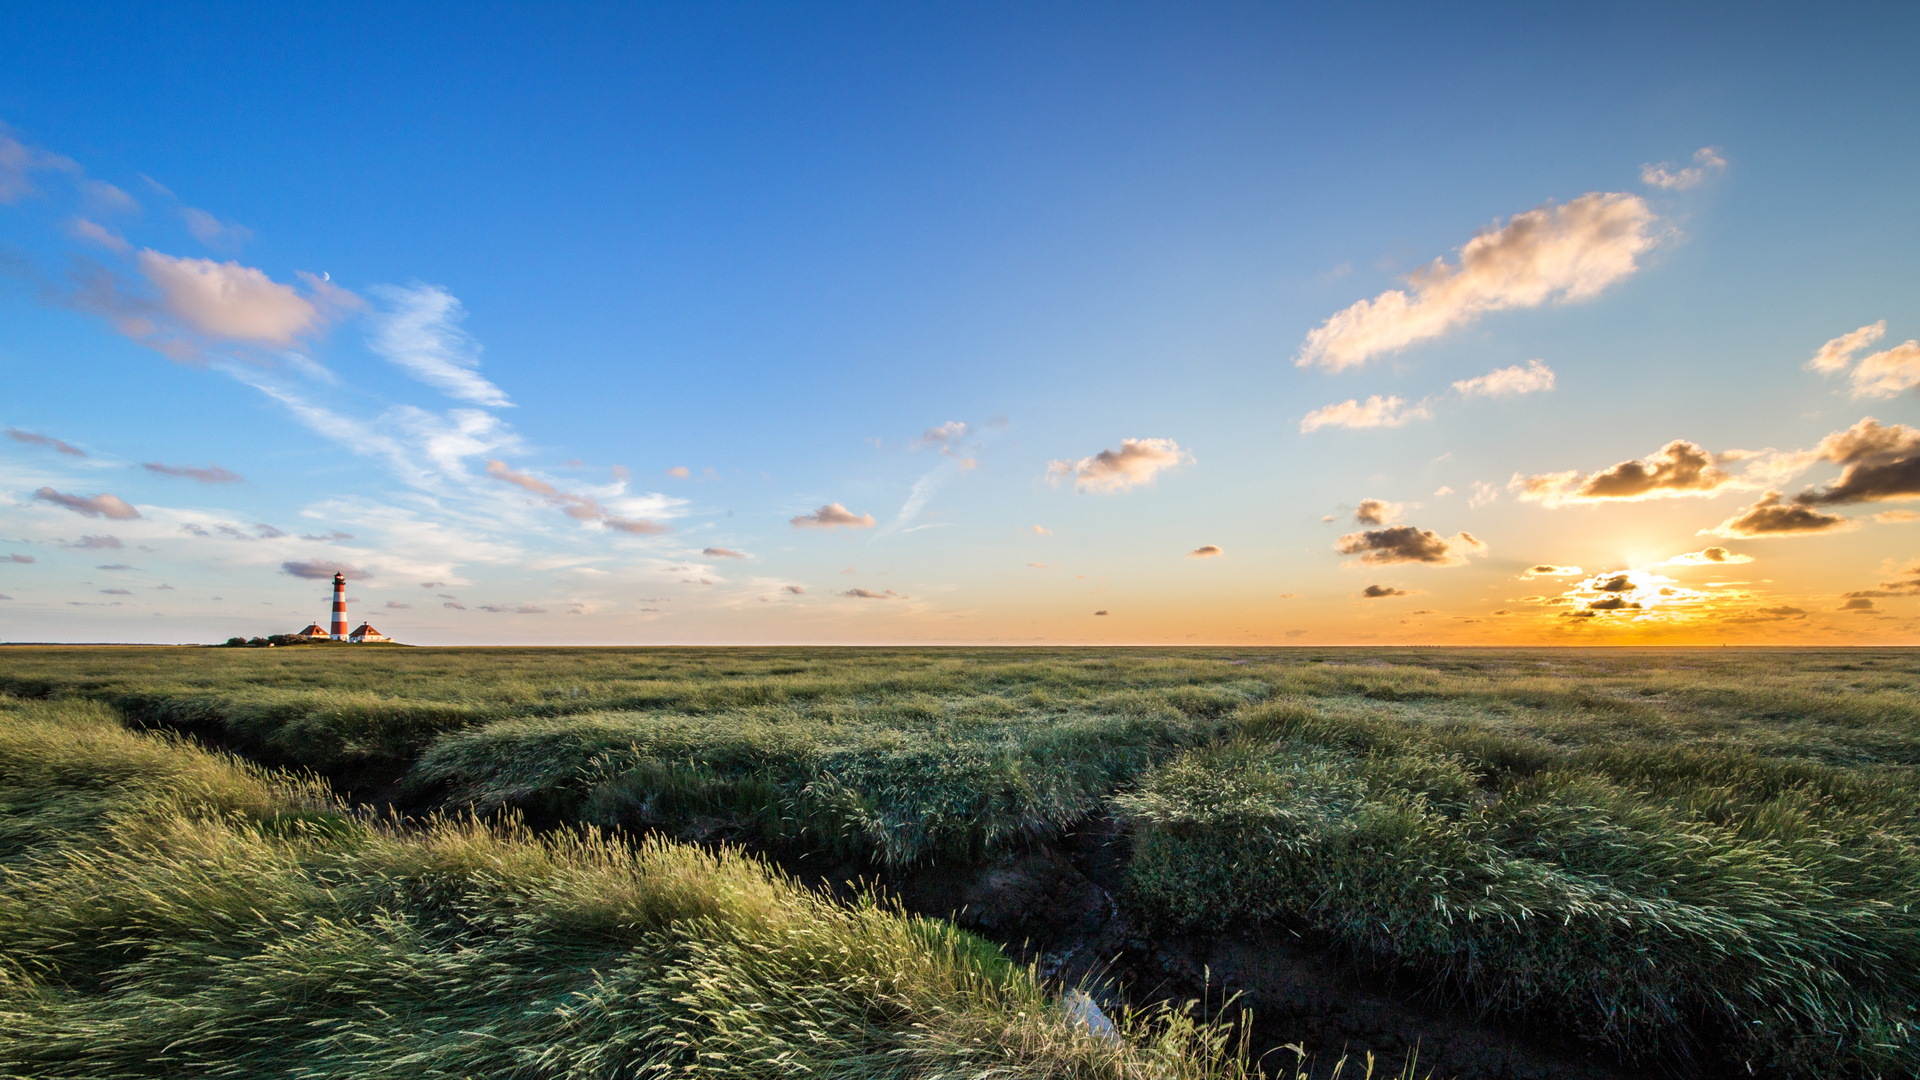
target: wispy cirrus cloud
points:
(211, 474)
(1565, 253)
(583, 508)
(418, 329)
(34, 438)
(18, 163)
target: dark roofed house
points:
(366, 632)
(313, 631)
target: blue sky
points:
(903, 262)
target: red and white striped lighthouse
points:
(339, 607)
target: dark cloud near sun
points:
(1678, 469)
(1408, 544)
(1774, 516)
(1378, 592)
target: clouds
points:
(211, 231)
(34, 438)
(1678, 469)
(1550, 570)
(723, 553)
(1377, 512)
(1880, 463)
(16, 557)
(323, 570)
(866, 594)
(832, 516)
(1382, 592)
(1772, 516)
(1407, 544)
(1881, 375)
(102, 505)
(212, 474)
(583, 508)
(1713, 556)
(947, 437)
(1706, 162)
(228, 300)
(1513, 381)
(1204, 551)
(1137, 462)
(797, 590)
(18, 163)
(1377, 411)
(418, 330)
(1552, 253)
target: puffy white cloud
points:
(1706, 161)
(1508, 382)
(1377, 411)
(419, 330)
(832, 516)
(102, 505)
(1377, 512)
(228, 300)
(1837, 355)
(1137, 461)
(1554, 252)
(1880, 375)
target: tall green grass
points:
(897, 783)
(1695, 902)
(265, 934)
(1664, 852)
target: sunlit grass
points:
(1690, 854)
(274, 935)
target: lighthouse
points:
(339, 607)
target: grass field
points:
(1691, 858)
